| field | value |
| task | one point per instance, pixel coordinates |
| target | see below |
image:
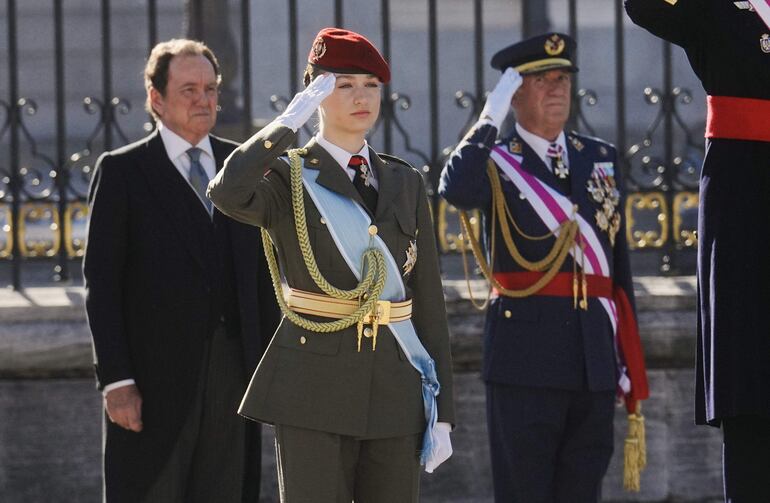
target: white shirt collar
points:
(540, 145)
(341, 155)
(177, 146)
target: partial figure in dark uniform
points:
(358, 378)
(560, 340)
(728, 45)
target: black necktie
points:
(362, 181)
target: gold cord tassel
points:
(634, 451)
(583, 281)
(574, 284)
(360, 332)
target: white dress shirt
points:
(342, 157)
(540, 145)
(176, 149)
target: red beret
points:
(342, 51)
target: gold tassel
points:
(574, 286)
(360, 330)
(634, 451)
(583, 280)
(631, 471)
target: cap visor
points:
(543, 65)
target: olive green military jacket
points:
(319, 380)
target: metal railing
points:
(43, 190)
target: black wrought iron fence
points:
(44, 177)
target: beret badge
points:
(319, 48)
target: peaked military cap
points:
(344, 51)
(538, 54)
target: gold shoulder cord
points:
(370, 288)
(567, 237)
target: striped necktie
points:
(362, 181)
(198, 177)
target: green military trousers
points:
(321, 467)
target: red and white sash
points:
(553, 208)
(763, 9)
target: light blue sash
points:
(348, 224)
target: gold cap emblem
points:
(554, 45)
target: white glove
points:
(442, 446)
(306, 102)
(499, 100)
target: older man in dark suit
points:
(177, 300)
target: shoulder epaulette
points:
(397, 160)
(595, 139)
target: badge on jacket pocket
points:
(411, 257)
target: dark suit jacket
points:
(318, 380)
(541, 341)
(159, 277)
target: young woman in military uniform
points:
(357, 402)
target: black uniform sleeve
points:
(103, 268)
(464, 181)
(678, 21)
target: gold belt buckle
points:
(383, 313)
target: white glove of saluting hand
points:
(442, 446)
(499, 99)
(306, 102)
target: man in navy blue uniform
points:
(728, 46)
(560, 338)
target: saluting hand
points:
(305, 102)
(499, 100)
(124, 407)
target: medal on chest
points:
(604, 192)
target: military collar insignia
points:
(764, 43)
(514, 146)
(744, 6)
(603, 150)
(554, 45)
(575, 143)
